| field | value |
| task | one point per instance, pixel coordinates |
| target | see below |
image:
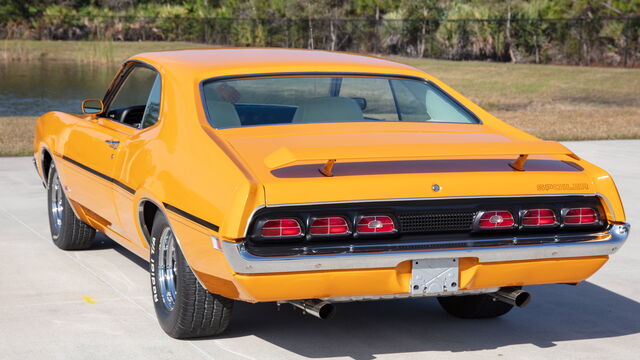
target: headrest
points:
(328, 109)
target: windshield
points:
(321, 99)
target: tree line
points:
(601, 32)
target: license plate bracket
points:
(434, 276)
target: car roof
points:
(207, 63)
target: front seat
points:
(328, 109)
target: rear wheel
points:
(185, 309)
(67, 230)
(474, 306)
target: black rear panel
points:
(424, 224)
(435, 221)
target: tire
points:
(68, 232)
(474, 306)
(185, 309)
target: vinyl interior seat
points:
(328, 109)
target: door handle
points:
(113, 143)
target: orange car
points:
(313, 177)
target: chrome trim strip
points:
(613, 213)
(243, 262)
(250, 220)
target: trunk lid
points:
(379, 161)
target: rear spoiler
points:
(329, 155)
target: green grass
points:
(549, 101)
(500, 86)
(16, 135)
(100, 52)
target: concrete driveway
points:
(95, 304)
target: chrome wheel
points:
(167, 268)
(57, 204)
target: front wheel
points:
(185, 309)
(474, 306)
(67, 230)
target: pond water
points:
(35, 87)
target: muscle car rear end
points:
(310, 178)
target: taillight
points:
(330, 226)
(375, 225)
(580, 216)
(500, 219)
(281, 228)
(538, 217)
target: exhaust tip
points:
(326, 311)
(522, 299)
(513, 296)
(319, 308)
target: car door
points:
(94, 144)
(134, 165)
(89, 153)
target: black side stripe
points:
(124, 187)
(99, 174)
(195, 219)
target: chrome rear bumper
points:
(243, 262)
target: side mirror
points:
(92, 106)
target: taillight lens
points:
(334, 225)
(281, 228)
(539, 217)
(500, 219)
(580, 216)
(375, 224)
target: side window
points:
(373, 95)
(130, 102)
(423, 102)
(442, 109)
(152, 110)
(409, 99)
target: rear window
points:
(318, 99)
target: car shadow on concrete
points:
(102, 242)
(361, 330)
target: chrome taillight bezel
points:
(480, 214)
(259, 226)
(597, 222)
(555, 223)
(359, 218)
(347, 220)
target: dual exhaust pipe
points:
(325, 310)
(512, 296)
(318, 308)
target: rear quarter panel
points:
(178, 164)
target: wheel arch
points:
(46, 159)
(147, 210)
